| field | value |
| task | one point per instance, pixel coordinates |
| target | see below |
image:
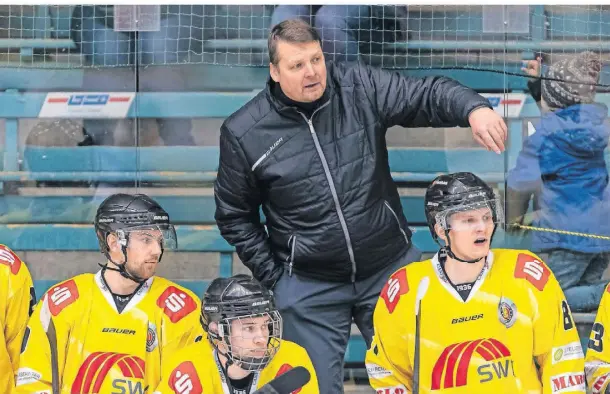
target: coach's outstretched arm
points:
(597, 362)
(237, 210)
(433, 102)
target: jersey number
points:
(568, 323)
(596, 342)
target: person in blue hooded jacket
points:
(562, 164)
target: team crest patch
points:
(151, 337)
(507, 312)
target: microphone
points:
(287, 382)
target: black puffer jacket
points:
(333, 211)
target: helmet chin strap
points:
(123, 271)
(122, 268)
(450, 253)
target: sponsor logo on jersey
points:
(598, 384)
(283, 369)
(400, 389)
(568, 382)
(396, 287)
(532, 270)
(507, 312)
(93, 371)
(61, 296)
(466, 318)
(151, 337)
(451, 368)
(10, 259)
(27, 376)
(176, 304)
(571, 351)
(377, 372)
(184, 379)
(112, 330)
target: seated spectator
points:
(338, 26)
(563, 165)
(93, 29)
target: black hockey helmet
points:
(235, 298)
(458, 192)
(122, 214)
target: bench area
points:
(39, 56)
(58, 219)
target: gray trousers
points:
(318, 316)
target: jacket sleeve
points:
(557, 347)
(419, 102)
(388, 364)
(21, 300)
(597, 362)
(238, 200)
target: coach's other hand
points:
(488, 129)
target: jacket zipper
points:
(397, 221)
(333, 190)
(291, 244)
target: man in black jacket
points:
(311, 150)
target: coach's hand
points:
(488, 129)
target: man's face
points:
(250, 336)
(470, 233)
(144, 252)
(300, 71)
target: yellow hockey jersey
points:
(515, 317)
(196, 370)
(597, 362)
(16, 302)
(99, 349)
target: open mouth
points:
(312, 85)
(480, 241)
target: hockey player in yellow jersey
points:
(107, 332)
(17, 300)
(597, 362)
(473, 319)
(247, 350)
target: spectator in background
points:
(338, 25)
(562, 164)
(109, 51)
(311, 149)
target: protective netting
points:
(394, 36)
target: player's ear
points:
(440, 232)
(275, 72)
(113, 243)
